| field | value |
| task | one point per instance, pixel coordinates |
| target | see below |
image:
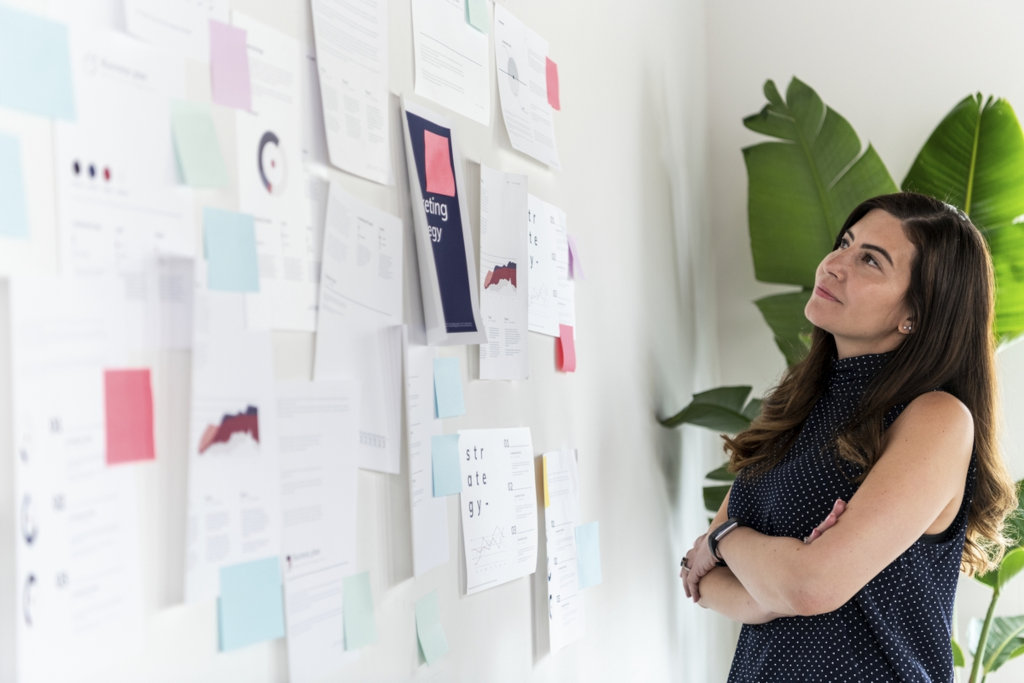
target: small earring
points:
(908, 328)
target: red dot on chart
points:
(106, 173)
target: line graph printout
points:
(234, 512)
(551, 295)
(499, 506)
(504, 282)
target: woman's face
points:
(860, 288)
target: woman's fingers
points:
(838, 508)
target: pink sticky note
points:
(575, 265)
(440, 179)
(128, 395)
(229, 66)
(565, 349)
(552, 72)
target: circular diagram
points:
(270, 163)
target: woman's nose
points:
(835, 265)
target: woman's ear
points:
(907, 326)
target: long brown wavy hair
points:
(952, 347)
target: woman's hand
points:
(838, 508)
(697, 562)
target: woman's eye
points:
(870, 260)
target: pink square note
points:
(440, 179)
(565, 349)
(229, 66)
(552, 77)
(128, 395)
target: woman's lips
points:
(825, 294)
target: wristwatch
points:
(718, 533)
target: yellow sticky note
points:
(544, 477)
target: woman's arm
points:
(916, 484)
(722, 592)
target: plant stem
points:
(979, 651)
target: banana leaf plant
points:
(801, 186)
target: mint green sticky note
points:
(444, 460)
(360, 625)
(13, 216)
(229, 243)
(251, 603)
(478, 16)
(195, 145)
(588, 555)
(448, 388)
(429, 631)
(35, 65)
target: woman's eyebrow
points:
(871, 247)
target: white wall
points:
(893, 70)
(632, 139)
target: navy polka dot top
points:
(896, 628)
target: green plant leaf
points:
(1005, 640)
(801, 189)
(1010, 566)
(1014, 531)
(714, 495)
(974, 159)
(958, 654)
(721, 474)
(752, 409)
(784, 313)
(720, 409)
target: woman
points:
(872, 476)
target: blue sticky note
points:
(35, 65)
(478, 16)
(448, 388)
(444, 458)
(588, 555)
(13, 217)
(360, 625)
(195, 145)
(429, 631)
(229, 243)
(251, 604)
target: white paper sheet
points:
(234, 511)
(352, 56)
(104, 13)
(499, 506)
(318, 437)
(451, 58)
(504, 276)
(38, 253)
(551, 292)
(359, 332)
(314, 134)
(119, 206)
(183, 27)
(566, 616)
(519, 59)
(271, 182)
(77, 562)
(429, 514)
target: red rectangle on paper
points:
(565, 349)
(440, 179)
(552, 77)
(128, 395)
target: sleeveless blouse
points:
(897, 627)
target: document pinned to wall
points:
(429, 514)
(444, 243)
(566, 615)
(119, 206)
(352, 58)
(77, 562)
(499, 506)
(451, 58)
(234, 496)
(318, 437)
(504, 282)
(520, 61)
(359, 334)
(552, 295)
(272, 184)
(180, 27)
(27, 238)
